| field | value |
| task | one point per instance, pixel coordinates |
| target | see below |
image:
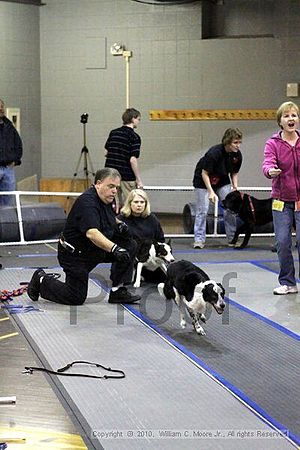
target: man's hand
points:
(120, 254)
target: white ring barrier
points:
(22, 240)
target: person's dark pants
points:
(77, 268)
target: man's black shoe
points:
(33, 289)
(122, 296)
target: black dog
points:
(191, 288)
(252, 212)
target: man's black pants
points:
(77, 268)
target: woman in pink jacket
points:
(282, 165)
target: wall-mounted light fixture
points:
(117, 49)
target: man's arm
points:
(119, 254)
(211, 194)
(98, 239)
(18, 148)
(136, 171)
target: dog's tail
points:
(166, 290)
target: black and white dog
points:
(151, 255)
(191, 288)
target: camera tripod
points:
(85, 156)
(82, 185)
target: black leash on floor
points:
(61, 371)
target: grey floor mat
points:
(164, 394)
(256, 360)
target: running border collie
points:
(151, 255)
(191, 289)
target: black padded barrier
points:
(40, 221)
(188, 218)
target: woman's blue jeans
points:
(283, 225)
(202, 205)
(7, 183)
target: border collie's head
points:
(164, 251)
(213, 293)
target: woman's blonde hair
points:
(126, 210)
(286, 106)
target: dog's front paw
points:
(199, 330)
(183, 323)
(137, 284)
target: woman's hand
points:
(212, 197)
(274, 172)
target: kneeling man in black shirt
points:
(92, 235)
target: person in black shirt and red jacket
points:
(92, 234)
(215, 175)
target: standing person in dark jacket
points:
(122, 150)
(215, 175)
(11, 151)
(282, 165)
(92, 234)
(143, 224)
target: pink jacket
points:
(278, 153)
